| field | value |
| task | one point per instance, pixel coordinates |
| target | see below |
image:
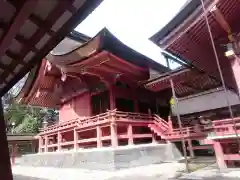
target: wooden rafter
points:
(21, 39)
(189, 26)
(220, 19)
(17, 22)
(52, 17)
(3, 24)
(44, 25)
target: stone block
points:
(109, 159)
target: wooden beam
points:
(13, 28)
(80, 15)
(5, 164)
(14, 57)
(52, 17)
(179, 32)
(220, 19)
(3, 24)
(21, 39)
(190, 86)
(44, 25)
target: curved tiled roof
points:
(104, 40)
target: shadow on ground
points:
(19, 177)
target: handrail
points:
(225, 121)
(79, 122)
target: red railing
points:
(132, 116)
(197, 131)
(163, 129)
(218, 128)
(109, 116)
(161, 122)
(226, 126)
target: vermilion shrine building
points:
(99, 90)
(110, 95)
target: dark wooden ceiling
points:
(29, 29)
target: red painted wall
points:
(78, 107)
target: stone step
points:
(106, 158)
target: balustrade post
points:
(14, 152)
(114, 138)
(130, 134)
(59, 141)
(46, 143)
(113, 128)
(190, 148)
(219, 154)
(40, 144)
(154, 140)
(197, 128)
(99, 136)
(112, 99)
(170, 125)
(149, 113)
(75, 133)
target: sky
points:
(133, 22)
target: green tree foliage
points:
(26, 119)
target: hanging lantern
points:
(38, 93)
(49, 66)
(233, 48)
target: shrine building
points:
(98, 87)
(109, 95)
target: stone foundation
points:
(106, 158)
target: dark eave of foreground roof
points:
(187, 10)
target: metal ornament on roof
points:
(172, 101)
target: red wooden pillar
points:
(5, 164)
(219, 154)
(130, 134)
(75, 139)
(190, 147)
(114, 138)
(112, 98)
(59, 140)
(154, 140)
(170, 124)
(46, 143)
(40, 145)
(99, 137)
(14, 152)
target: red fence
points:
(107, 117)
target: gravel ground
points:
(212, 173)
(19, 177)
(166, 171)
(151, 172)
